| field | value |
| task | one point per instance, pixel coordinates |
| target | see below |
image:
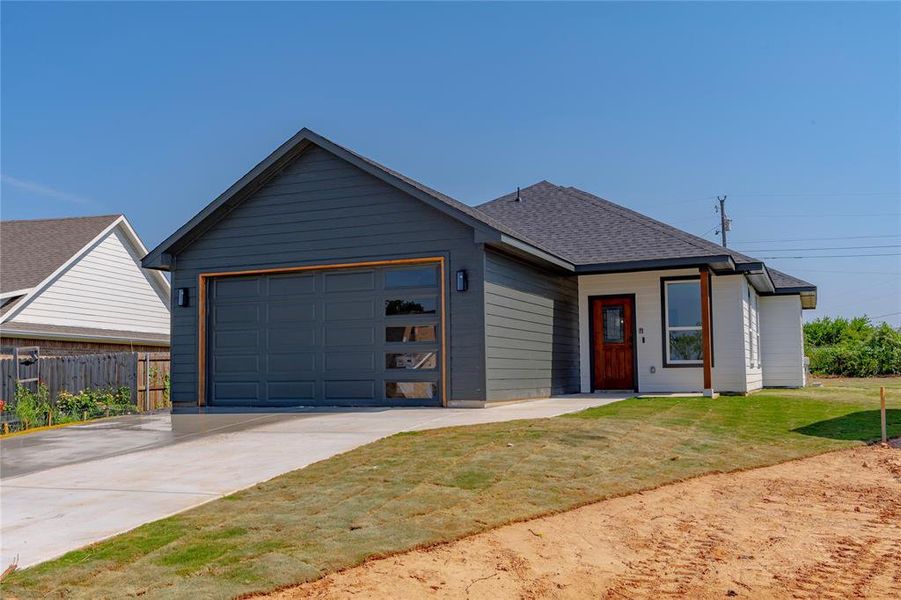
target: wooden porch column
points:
(706, 342)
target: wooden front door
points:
(613, 342)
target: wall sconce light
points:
(462, 281)
(181, 297)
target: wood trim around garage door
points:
(204, 278)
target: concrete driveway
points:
(66, 488)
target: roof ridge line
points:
(110, 216)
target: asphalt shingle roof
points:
(586, 229)
(31, 250)
(784, 280)
(118, 335)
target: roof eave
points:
(808, 294)
(519, 245)
(37, 332)
(234, 194)
(758, 275)
(722, 262)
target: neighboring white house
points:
(76, 285)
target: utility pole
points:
(725, 222)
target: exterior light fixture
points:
(181, 297)
(462, 281)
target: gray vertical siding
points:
(320, 209)
(531, 330)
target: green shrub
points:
(826, 331)
(94, 403)
(32, 408)
(885, 345)
(852, 348)
(75, 404)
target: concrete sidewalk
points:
(51, 508)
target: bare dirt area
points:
(822, 527)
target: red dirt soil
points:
(823, 527)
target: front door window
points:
(613, 325)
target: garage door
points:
(360, 337)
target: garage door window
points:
(410, 306)
(410, 333)
(412, 277)
(418, 390)
(411, 360)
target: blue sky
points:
(792, 110)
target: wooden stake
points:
(882, 413)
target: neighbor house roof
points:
(34, 253)
(30, 251)
(89, 334)
(569, 227)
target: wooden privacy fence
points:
(153, 376)
(144, 373)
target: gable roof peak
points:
(159, 257)
(33, 249)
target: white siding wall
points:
(750, 305)
(783, 341)
(728, 352)
(105, 289)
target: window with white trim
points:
(682, 322)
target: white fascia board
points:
(158, 278)
(15, 293)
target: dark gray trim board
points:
(722, 262)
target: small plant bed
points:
(34, 410)
(419, 489)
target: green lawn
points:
(417, 489)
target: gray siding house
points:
(324, 278)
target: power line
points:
(829, 248)
(832, 194)
(831, 256)
(887, 315)
(806, 270)
(693, 200)
(799, 216)
(817, 239)
(811, 215)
